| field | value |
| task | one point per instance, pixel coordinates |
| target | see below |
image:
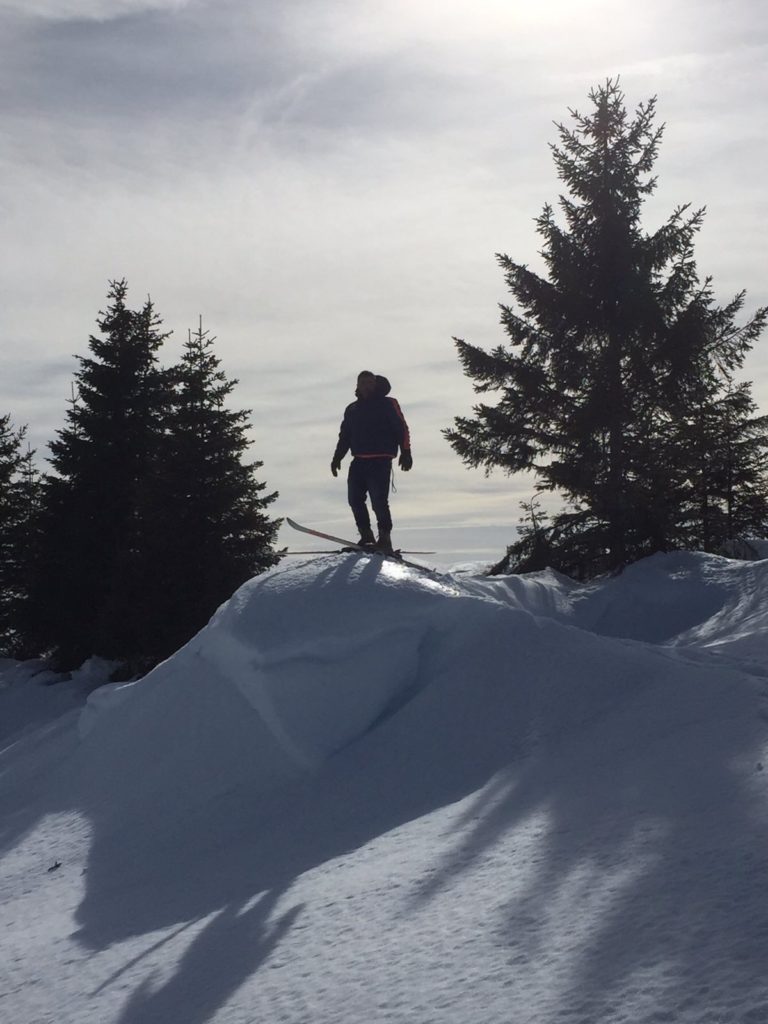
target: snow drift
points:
(312, 655)
(369, 792)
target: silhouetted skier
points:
(373, 429)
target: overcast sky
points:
(326, 182)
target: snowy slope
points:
(368, 793)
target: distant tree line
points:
(618, 387)
(149, 517)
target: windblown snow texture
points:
(366, 792)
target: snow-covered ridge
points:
(308, 657)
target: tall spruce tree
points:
(95, 567)
(211, 529)
(610, 353)
(19, 508)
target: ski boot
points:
(384, 543)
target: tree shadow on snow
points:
(629, 800)
(643, 845)
(229, 949)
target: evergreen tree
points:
(717, 442)
(94, 568)
(609, 353)
(728, 495)
(533, 550)
(19, 501)
(212, 531)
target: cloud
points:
(327, 184)
(155, 64)
(87, 10)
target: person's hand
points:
(336, 466)
(406, 460)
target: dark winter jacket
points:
(373, 427)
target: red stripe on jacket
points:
(407, 434)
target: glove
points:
(336, 466)
(406, 460)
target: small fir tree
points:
(728, 495)
(19, 509)
(211, 509)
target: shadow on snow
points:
(640, 787)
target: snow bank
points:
(298, 663)
(689, 601)
(682, 599)
(29, 698)
(310, 656)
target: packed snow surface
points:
(370, 793)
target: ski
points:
(325, 536)
(334, 551)
(349, 544)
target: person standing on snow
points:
(373, 428)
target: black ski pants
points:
(370, 478)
